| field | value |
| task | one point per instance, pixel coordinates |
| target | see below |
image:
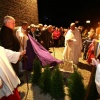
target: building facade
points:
(21, 10)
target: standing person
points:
(46, 36)
(97, 44)
(33, 31)
(87, 42)
(38, 32)
(73, 45)
(98, 31)
(8, 78)
(22, 36)
(56, 37)
(9, 40)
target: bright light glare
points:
(88, 21)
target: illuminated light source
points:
(88, 21)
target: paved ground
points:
(34, 92)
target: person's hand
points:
(95, 62)
(74, 39)
(69, 40)
(41, 42)
(23, 53)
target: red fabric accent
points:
(56, 34)
(15, 96)
(89, 60)
(90, 53)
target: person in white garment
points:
(97, 75)
(8, 78)
(22, 36)
(73, 45)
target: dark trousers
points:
(85, 54)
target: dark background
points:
(63, 12)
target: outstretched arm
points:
(14, 56)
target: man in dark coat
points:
(33, 31)
(46, 36)
(8, 39)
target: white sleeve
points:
(12, 55)
(97, 78)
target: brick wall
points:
(20, 9)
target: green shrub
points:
(57, 85)
(76, 88)
(36, 72)
(45, 82)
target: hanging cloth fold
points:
(34, 49)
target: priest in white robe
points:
(8, 79)
(73, 45)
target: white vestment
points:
(97, 75)
(7, 75)
(72, 50)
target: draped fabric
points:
(35, 49)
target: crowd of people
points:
(75, 40)
(13, 47)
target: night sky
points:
(63, 12)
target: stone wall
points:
(21, 10)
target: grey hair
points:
(49, 26)
(72, 24)
(7, 18)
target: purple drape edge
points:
(44, 56)
(30, 57)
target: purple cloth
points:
(30, 57)
(44, 56)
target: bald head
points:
(72, 26)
